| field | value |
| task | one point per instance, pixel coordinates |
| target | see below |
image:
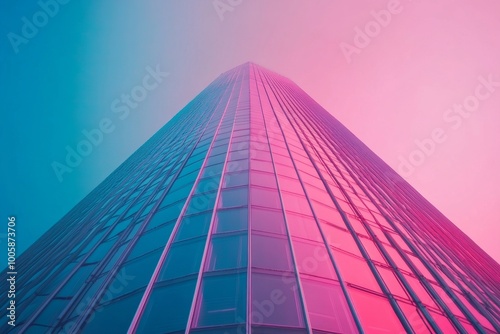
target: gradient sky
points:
(390, 93)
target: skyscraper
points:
(255, 211)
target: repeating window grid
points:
(456, 277)
(53, 259)
(137, 317)
(438, 233)
(64, 222)
(121, 241)
(69, 276)
(207, 128)
(450, 292)
(209, 239)
(381, 283)
(275, 115)
(289, 237)
(47, 281)
(448, 278)
(379, 245)
(259, 143)
(429, 286)
(182, 158)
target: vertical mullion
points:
(131, 243)
(100, 214)
(341, 280)
(372, 235)
(249, 212)
(212, 219)
(457, 324)
(404, 322)
(137, 317)
(288, 235)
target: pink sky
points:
(394, 91)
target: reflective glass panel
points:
(275, 301)
(222, 300)
(228, 252)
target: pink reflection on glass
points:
(268, 220)
(265, 197)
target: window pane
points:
(228, 252)
(327, 307)
(263, 179)
(392, 282)
(121, 311)
(296, 203)
(100, 251)
(77, 280)
(228, 329)
(237, 155)
(375, 313)
(232, 220)
(207, 184)
(268, 220)
(236, 179)
(265, 197)
(194, 226)
(134, 274)
(168, 214)
(152, 240)
(313, 259)
(183, 259)
(51, 312)
(340, 239)
(200, 203)
(167, 309)
(213, 170)
(270, 253)
(443, 322)
(261, 155)
(275, 301)
(291, 185)
(233, 197)
(222, 300)
(215, 157)
(355, 271)
(303, 227)
(264, 166)
(176, 195)
(238, 165)
(416, 319)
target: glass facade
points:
(255, 211)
